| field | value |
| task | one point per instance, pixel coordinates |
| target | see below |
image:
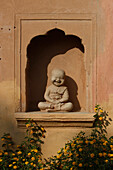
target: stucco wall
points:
(104, 63)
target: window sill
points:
(56, 119)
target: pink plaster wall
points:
(105, 56)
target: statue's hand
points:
(56, 101)
(52, 106)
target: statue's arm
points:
(46, 95)
(65, 96)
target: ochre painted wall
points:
(56, 137)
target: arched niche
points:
(55, 49)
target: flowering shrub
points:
(27, 155)
(82, 152)
(87, 152)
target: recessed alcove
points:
(47, 41)
(41, 52)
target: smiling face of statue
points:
(58, 77)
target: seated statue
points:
(56, 95)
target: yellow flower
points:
(103, 140)
(5, 153)
(74, 163)
(100, 118)
(14, 162)
(94, 140)
(42, 129)
(27, 125)
(80, 149)
(104, 154)
(91, 142)
(104, 143)
(0, 160)
(2, 139)
(31, 132)
(73, 145)
(13, 154)
(26, 162)
(33, 158)
(92, 155)
(10, 165)
(29, 154)
(31, 163)
(78, 146)
(9, 137)
(34, 165)
(58, 156)
(15, 158)
(80, 165)
(9, 144)
(35, 150)
(101, 110)
(19, 152)
(77, 155)
(70, 154)
(110, 155)
(39, 160)
(31, 141)
(43, 135)
(18, 146)
(95, 109)
(39, 156)
(111, 146)
(112, 149)
(100, 154)
(71, 168)
(23, 159)
(15, 167)
(0, 153)
(106, 161)
(68, 148)
(111, 159)
(65, 151)
(86, 141)
(58, 152)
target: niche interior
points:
(49, 51)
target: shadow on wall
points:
(73, 92)
(40, 51)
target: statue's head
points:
(58, 77)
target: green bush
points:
(27, 155)
(82, 152)
(87, 152)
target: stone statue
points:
(56, 95)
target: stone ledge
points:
(56, 119)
